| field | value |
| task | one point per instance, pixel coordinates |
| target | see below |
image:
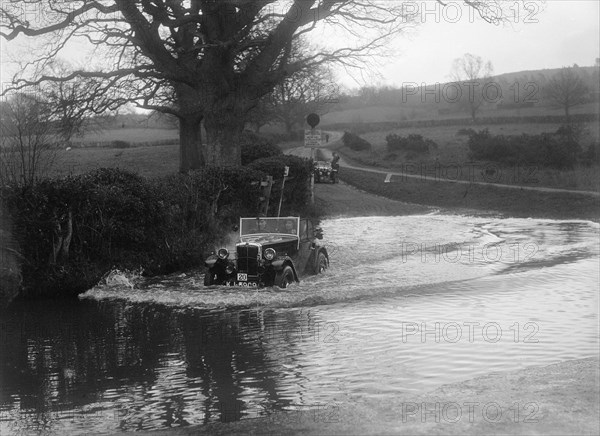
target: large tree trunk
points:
(190, 143)
(223, 134)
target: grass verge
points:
(520, 203)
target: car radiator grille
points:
(247, 259)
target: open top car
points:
(323, 172)
(270, 252)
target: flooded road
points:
(409, 303)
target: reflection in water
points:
(417, 302)
(139, 367)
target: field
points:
(451, 160)
(147, 161)
(132, 136)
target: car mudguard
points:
(210, 261)
(279, 263)
(315, 256)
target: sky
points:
(548, 34)
(551, 35)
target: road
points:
(335, 138)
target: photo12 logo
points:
(454, 412)
(432, 252)
(471, 331)
(525, 12)
(471, 91)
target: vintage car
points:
(324, 172)
(270, 252)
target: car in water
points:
(324, 172)
(270, 252)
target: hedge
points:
(355, 142)
(545, 149)
(256, 147)
(122, 220)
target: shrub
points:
(592, 154)
(355, 142)
(256, 147)
(571, 132)
(465, 132)
(414, 144)
(543, 149)
(120, 144)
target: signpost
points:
(312, 139)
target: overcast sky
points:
(560, 33)
(564, 32)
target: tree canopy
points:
(201, 60)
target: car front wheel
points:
(284, 277)
(209, 278)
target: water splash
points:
(373, 257)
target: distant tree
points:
(566, 90)
(302, 93)
(68, 102)
(262, 114)
(472, 75)
(308, 90)
(27, 145)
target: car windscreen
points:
(285, 225)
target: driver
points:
(261, 226)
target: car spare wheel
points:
(284, 277)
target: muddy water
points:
(408, 304)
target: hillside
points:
(520, 94)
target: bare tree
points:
(472, 75)
(68, 101)
(566, 89)
(203, 60)
(27, 145)
(262, 114)
(306, 91)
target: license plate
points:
(247, 284)
(242, 277)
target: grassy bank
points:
(484, 199)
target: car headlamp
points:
(270, 254)
(229, 269)
(223, 253)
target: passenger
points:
(335, 167)
(334, 161)
(290, 227)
